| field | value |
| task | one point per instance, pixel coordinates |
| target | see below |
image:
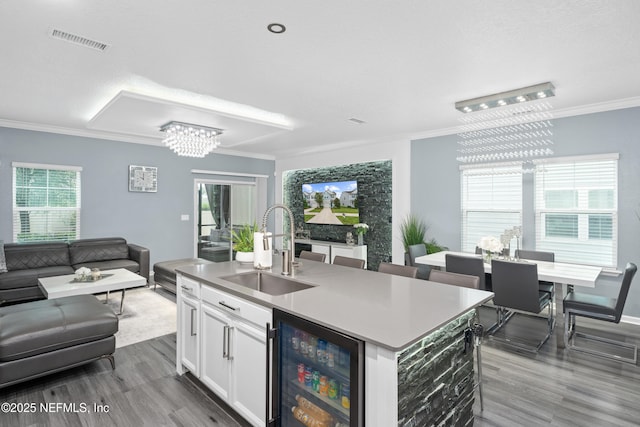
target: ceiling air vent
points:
(79, 40)
(356, 121)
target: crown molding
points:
(115, 137)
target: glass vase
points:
(360, 239)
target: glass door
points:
(221, 208)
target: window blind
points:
(491, 202)
(46, 202)
(576, 204)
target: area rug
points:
(147, 314)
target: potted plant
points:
(243, 242)
(414, 231)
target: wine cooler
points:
(315, 375)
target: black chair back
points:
(515, 285)
(473, 266)
(348, 262)
(313, 256)
(398, 270)
(535, 255)
(629, 272)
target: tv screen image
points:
(331, 203)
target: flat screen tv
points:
(331, 203)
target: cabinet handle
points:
(225, 305)
(186, 288)
(271, 404)
(193, 332)
(229, 334)
(225, 341)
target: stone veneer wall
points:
(374, 201)
(436, 379)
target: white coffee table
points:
(114, 280)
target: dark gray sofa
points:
(26, 262)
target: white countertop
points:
(570, 274)
(390, 311)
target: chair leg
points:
(570, 333)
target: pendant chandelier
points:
(190, 140)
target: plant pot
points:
(244, 257)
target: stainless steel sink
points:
(267, 283)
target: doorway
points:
(222, 207)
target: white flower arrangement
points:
(82, 273)
(491, 244)
(361, 228)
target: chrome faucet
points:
(287, 254)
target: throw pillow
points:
(3, 260)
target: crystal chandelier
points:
(514, 126)
(190, 140)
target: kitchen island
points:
(416, 371)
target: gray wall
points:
(108, 208)
(435, 194)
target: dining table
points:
(563, 275)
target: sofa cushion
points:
(38, 327)
(29, 293)
(111, 264)
(24, 256)
(91, 250)
(20, 278)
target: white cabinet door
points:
(216, 343)
(249, 372)
(323, 249)
(189, 330)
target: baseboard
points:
(629, 319)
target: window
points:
(576, 209)
(491, 202)
(46, 202)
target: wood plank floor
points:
(557, 387)
(554, 388)
(144, 390)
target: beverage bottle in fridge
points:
(308, 419)
(313, 409)
(304, 344)
(322, 351)
(313, 345)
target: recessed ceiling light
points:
(276, 28)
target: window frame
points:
(47, 234)
(574, 251)
(470, 239)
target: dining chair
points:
(515, 287)
(348, 261)
(398, 270)
(465, 281)
(539, 256)
(600, 308)
(471, 265)
(313, 256)
(415, 251)
(456, 279)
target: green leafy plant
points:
(243, 238)
(414, 232)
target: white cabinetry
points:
(331, 249)
(231, 348)
(359, 252)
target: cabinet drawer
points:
(244, 309)
(189, 286)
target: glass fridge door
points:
(320, 374)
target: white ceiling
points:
(398, 65)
